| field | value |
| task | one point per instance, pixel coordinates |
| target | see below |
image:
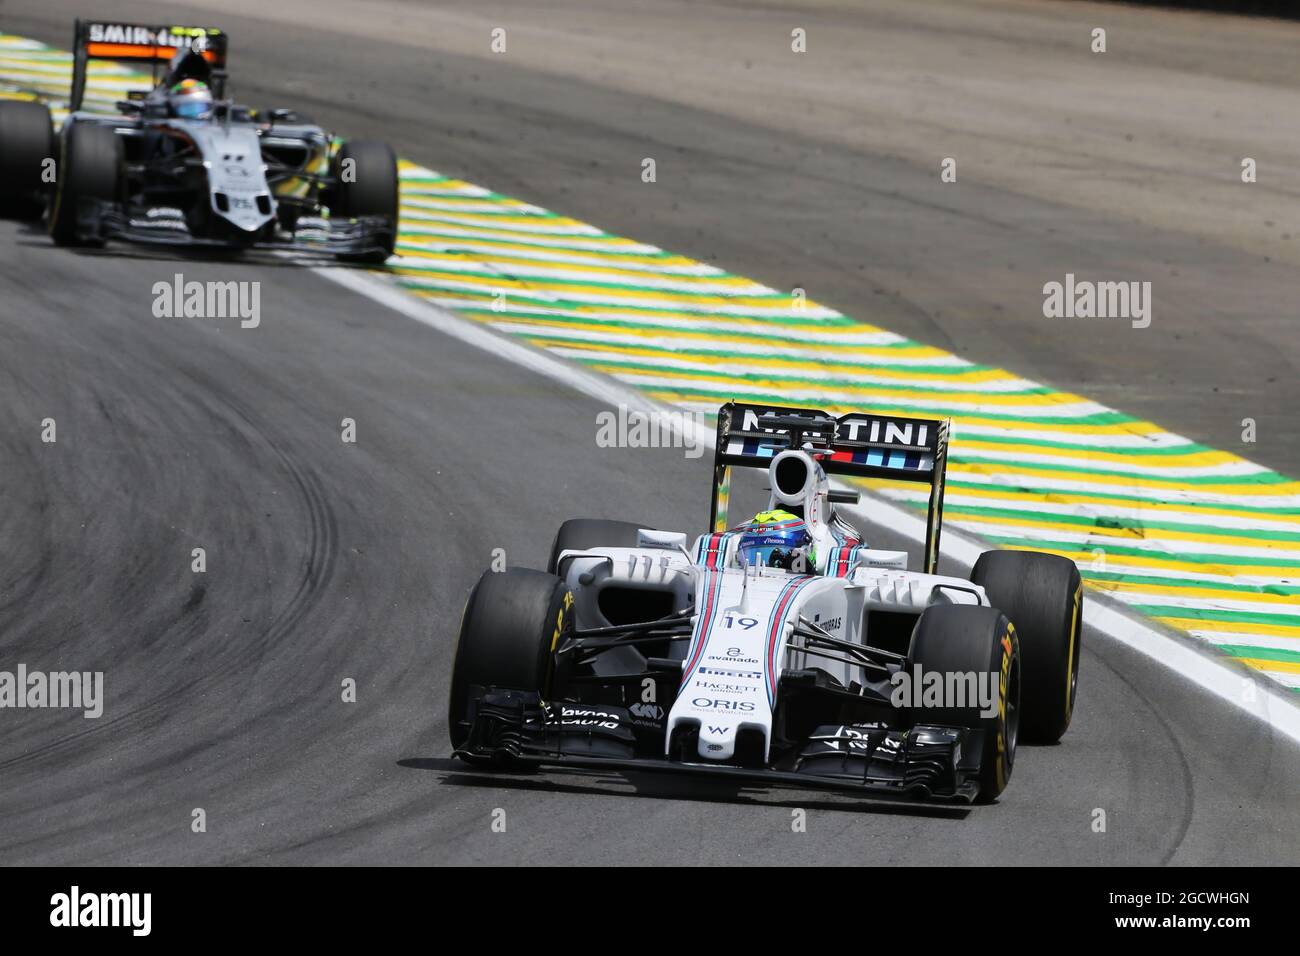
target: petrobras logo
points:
(830, 624)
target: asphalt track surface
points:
(328, 561)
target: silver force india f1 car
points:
(181, 164)
(783, 650)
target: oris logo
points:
(709, 703)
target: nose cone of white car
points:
(729, 678)
(236, 177)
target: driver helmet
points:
(778, 539)
(190, 99)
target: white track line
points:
(1233, 683)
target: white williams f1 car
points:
(783, 649)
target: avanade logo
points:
(75, 909)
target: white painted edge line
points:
(1235, 684)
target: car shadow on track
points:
(661, 787)
(35, 236)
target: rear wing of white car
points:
(157, 46)
(860, 444)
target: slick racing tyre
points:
(971, 640)
(580, 534)
(26, 142)
(90, 168)
(365, 174)
(1042, 594)
(513, 621)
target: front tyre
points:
(1042, 594)
(967, 639)
(365, 177)
(26, 142)
(513, 622)
(90, 169)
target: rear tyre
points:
(967, 639)
(26, 142)
(513, 622)
(90, 168)
(370, 190)
(581, 534)
(1042, 594)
